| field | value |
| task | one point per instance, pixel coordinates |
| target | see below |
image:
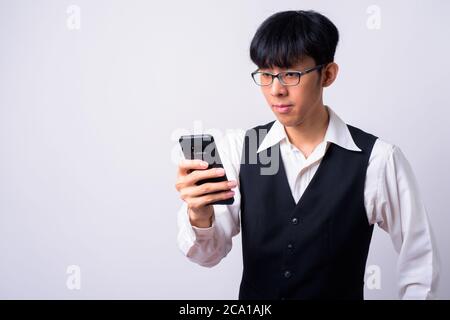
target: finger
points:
(205, 200)
(209, 187)
(198, 175)
(185, 166)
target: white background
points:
(89, 120)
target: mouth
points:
(282, 108)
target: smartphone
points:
(203, 147)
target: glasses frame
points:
(300, 74)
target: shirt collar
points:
(337, 133)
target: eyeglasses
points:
(286, 78)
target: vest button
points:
(294, 220)
(287, 274)
(290, 246)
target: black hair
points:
(285, 38)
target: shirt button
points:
(294, 220)
(290, 246)
(287, 274)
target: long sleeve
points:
(208, 246)
(398, 209)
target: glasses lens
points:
(290, 78)
(262, 78)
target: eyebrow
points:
(282, 70)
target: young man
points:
(306, 226)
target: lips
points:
(282, 108)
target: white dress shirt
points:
(391, 199)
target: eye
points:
(291, 74)
(266, 75)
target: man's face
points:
(292, 104)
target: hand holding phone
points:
(216, 186)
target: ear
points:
(329, 74)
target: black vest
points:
(316, 248)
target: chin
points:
(289, 121)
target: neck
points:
(307, 135)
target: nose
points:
(277, 89)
